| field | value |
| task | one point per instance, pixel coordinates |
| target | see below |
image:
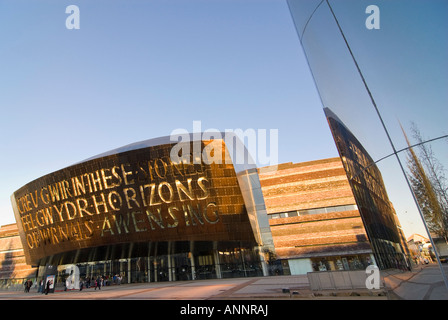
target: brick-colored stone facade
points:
(321, 185)
(300, 187)
(12, 257)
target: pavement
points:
(423, 283)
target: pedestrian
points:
(27, 284)
(98, 282)
(41, 283)
(47, 287)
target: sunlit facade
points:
(134, 215)
(138, 213)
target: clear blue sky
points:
(136, 70)
(139, 69)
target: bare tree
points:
(428, 181)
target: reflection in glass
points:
(428, 181)
(371, 197)
(249, 183)
(387, 86)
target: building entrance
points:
(165, 261)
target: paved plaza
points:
(423, 283)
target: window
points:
(296, 213)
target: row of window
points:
(296, 213)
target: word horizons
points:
(151, 195)
(128, 198)
(104, 179)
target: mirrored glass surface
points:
(381, 73)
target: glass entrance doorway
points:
(166, 261)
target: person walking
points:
(98, 283)
(28, 284)
(47, 287)
(40, 288)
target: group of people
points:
(28, 283)
(88, 282)
(99, 281)
(43, 287)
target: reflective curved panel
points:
(381, 70)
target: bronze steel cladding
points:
(133, 196)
